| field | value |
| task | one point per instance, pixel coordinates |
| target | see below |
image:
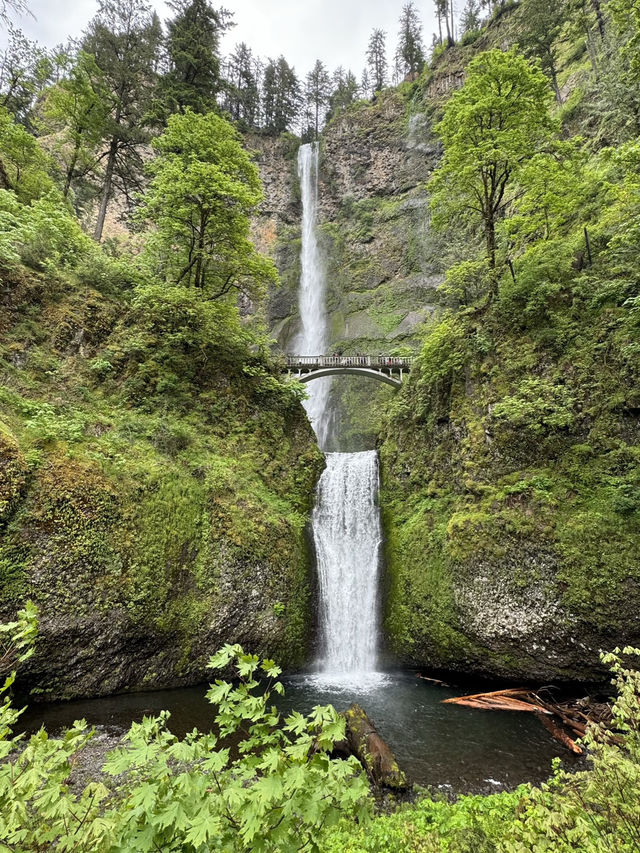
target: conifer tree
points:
(377, 60)
(123, 39)
(345, 91)
(410, 55)
(281, 97)
(542, 23)
(471, 18)
(193, 44)
(317, 92)
(242, 86)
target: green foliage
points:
(594, 809)
(279, 792)
(491, 127)
(203, 190)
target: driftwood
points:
(500, 700)
(522, 699)
(435, 681)
(372, 752)
(561, 736)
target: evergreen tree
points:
(542, 23)
(242, 86)
(317, 92)
(365, 84)
(471, 20)
(123, 39)
(377, 60)
(281, 97)
(193, 43)
(345, 91)
(410, 55)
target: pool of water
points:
(453, 748)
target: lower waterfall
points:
(348, 535)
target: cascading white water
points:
(312, 338)
(347, 534)
(346, 520)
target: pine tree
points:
(410, 55)
(471, 18)
(345, 91)
(281, 96)
(365, 84)
(242, 85)
(123, 40)
(377, 60)
(317, 92)
(193, 43)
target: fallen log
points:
(562, 737)
(372, 752)
(499, 700)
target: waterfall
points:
(347, 534)
(346, 519)
(312, 338)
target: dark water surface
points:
(454, 748)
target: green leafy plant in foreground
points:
(276, 791)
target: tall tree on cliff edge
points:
(317, 91)
(123, 38)
(410, 54)
(193, 47)
(242, 75)
(377, 60)
(281, 97)
(491, 128)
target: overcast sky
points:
(335, 31)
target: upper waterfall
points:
(313, 336)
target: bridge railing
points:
(375, 361)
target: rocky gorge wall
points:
(147, 533)
(511, 545)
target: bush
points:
(279, 793)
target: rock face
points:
(512, 545)
(382, 262)
(148, 536)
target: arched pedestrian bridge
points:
(389, 369)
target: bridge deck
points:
(377, 362)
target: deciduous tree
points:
(491, 127)
(203, 190)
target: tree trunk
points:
(554, 80)
(372, 752)
(71, 170)
(106, 189)
(440, 26)
(446, 20)
(453, 23)
(599, 16)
